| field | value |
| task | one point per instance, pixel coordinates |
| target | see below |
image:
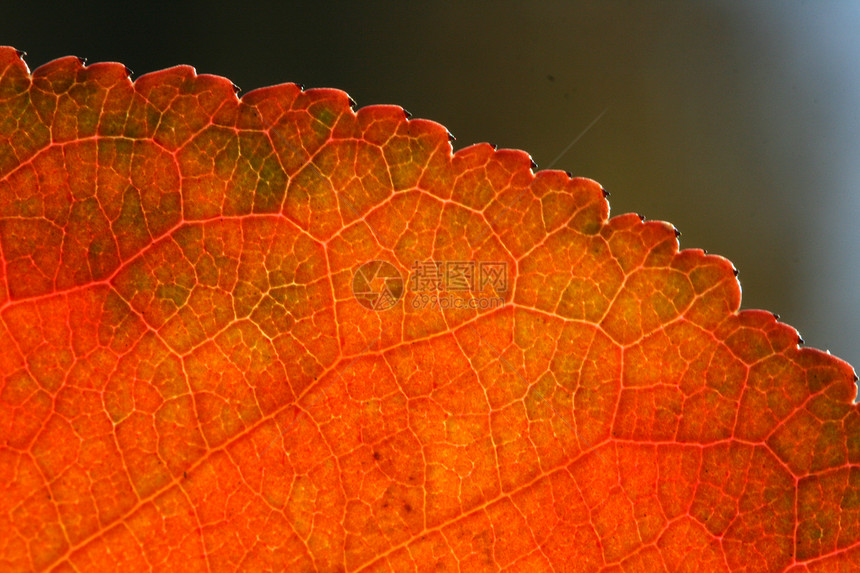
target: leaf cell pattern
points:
(186, 376)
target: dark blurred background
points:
(737, 122)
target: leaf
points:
(274, 333)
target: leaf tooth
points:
(406, 112)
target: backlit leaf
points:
(272, 333)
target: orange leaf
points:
(275, 333)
